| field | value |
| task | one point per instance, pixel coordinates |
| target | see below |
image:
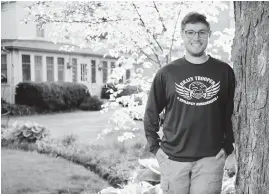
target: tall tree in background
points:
(250, 56)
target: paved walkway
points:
(85, 124)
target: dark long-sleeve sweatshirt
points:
(198, 104)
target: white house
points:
(27, 54)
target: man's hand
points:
(230, 165)
(221, 153)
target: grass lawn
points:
(108, 158)
(86, 125)
(33, 173)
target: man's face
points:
(195, 37)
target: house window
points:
(112, 66)
(93, 71)
(104, 67)
(75, 70)
(38, 68)
(60, 69)
(121, 80)
(84, 72)
(39, 31)
(4, 68)
(26, 68)
(50, 69)
(128, 74)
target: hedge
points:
(91, 103)
(51, 95)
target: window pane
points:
(60, 69)
(4, 68)
(38, 69)
(104, 65)
(84, 72)
(3, 59)
(93, 71)
(26, 68)
(26, 73)
(75, 70)
(61, 61)
(50, 69)
(25, 58)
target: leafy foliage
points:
(91, 103)
(107, 90)
(53, 96)
(25, 133)
(17, 110)
(68, 140)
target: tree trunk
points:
(250, 56)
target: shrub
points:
(129, 90)
(52, 96)
(91, 103)
(107, 90)
(25, 133)
(18, 110)
(68, 140)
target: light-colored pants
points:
(203, 176)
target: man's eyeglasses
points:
(201, 33)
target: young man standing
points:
(197, 94)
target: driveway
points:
(84, 124)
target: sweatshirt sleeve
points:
(155, 104)
(229, 136)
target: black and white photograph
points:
(134, 97)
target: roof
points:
(48, 46)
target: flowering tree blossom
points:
(141, 35)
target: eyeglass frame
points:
(208, 32)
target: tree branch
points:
(143, 24)
(155, 6)
(141, 50)
(102, 20)
(170, 50)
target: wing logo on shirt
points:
(197, 90)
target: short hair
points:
(192, 18)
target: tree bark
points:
(250, 56)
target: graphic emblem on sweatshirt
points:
(197, 88)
